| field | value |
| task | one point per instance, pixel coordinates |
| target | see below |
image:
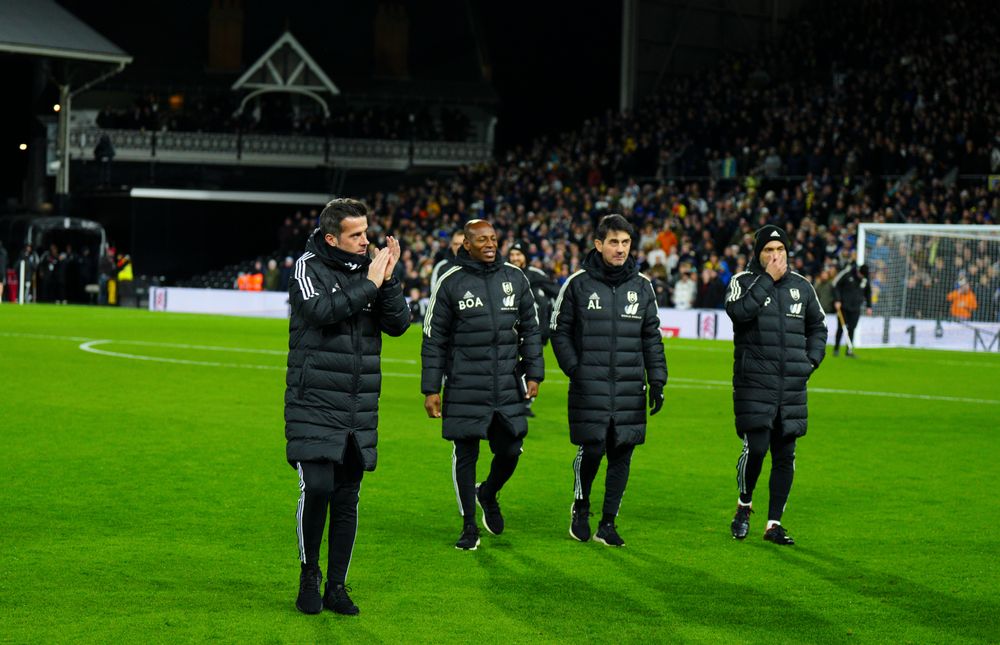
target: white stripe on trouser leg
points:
(577, 483)
(347, 569)
(785, 505)
(617, 510)
(454, 476)
(741, 466)
(299, 511)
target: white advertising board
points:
(262, 304)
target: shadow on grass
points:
(697, 597)
(659, 595)
(970, 618)
(553, 605)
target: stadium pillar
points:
(62, 177)
(630, 14)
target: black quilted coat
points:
(780, 338)
(606, 337)
(334, 377)
(481, 342)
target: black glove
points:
(655, 398)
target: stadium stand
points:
(816, 133)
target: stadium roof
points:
(43, 28)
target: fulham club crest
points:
(795, 293)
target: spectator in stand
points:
(287, 268)
(272, 279)
(686, 290)
(711, 291)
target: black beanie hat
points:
(518, 246)
(767, 234)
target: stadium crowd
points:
(880, 113)
(277, 114)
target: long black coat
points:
(334, 375)
(480, 336)
(544, 289)
(606, 336)
(852, 289)
(780, 338)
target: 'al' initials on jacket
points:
(606, 337)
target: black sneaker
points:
(836, 351)
(741, 522)
(310, 601)
(492, 519)
(579, 527)
(469, 540)
(777, 535)
(336, 599)
(608, 535)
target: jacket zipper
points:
(355, 341)
(781, 344)
(614, 345)
(493, 324)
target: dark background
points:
(550, 65)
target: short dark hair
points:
(337, 211)
(613, 222)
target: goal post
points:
(933, 285)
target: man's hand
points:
(392, 244)
(836, 305)
(376, 270)
(777, 267)
(532, 391)
(868, 311)
(432, 403)
(655, 398)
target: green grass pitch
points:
(144, 497)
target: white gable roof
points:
(286, 66)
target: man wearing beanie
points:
(780, 339)
(544, 287)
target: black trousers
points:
(751, 462)
(588, 460)
(337, 487)
(506, 451)
(851, 318)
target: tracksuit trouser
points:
(326, 485)
(586, 464)
(851, 318)
(506, 451)
(751, 462)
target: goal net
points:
(931, 275)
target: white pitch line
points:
(680, 383)
(89, 347)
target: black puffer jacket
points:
(335, 340)
(606, 336)
(481, 326)
(544, 289)
(780, 338)
(852, 289)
